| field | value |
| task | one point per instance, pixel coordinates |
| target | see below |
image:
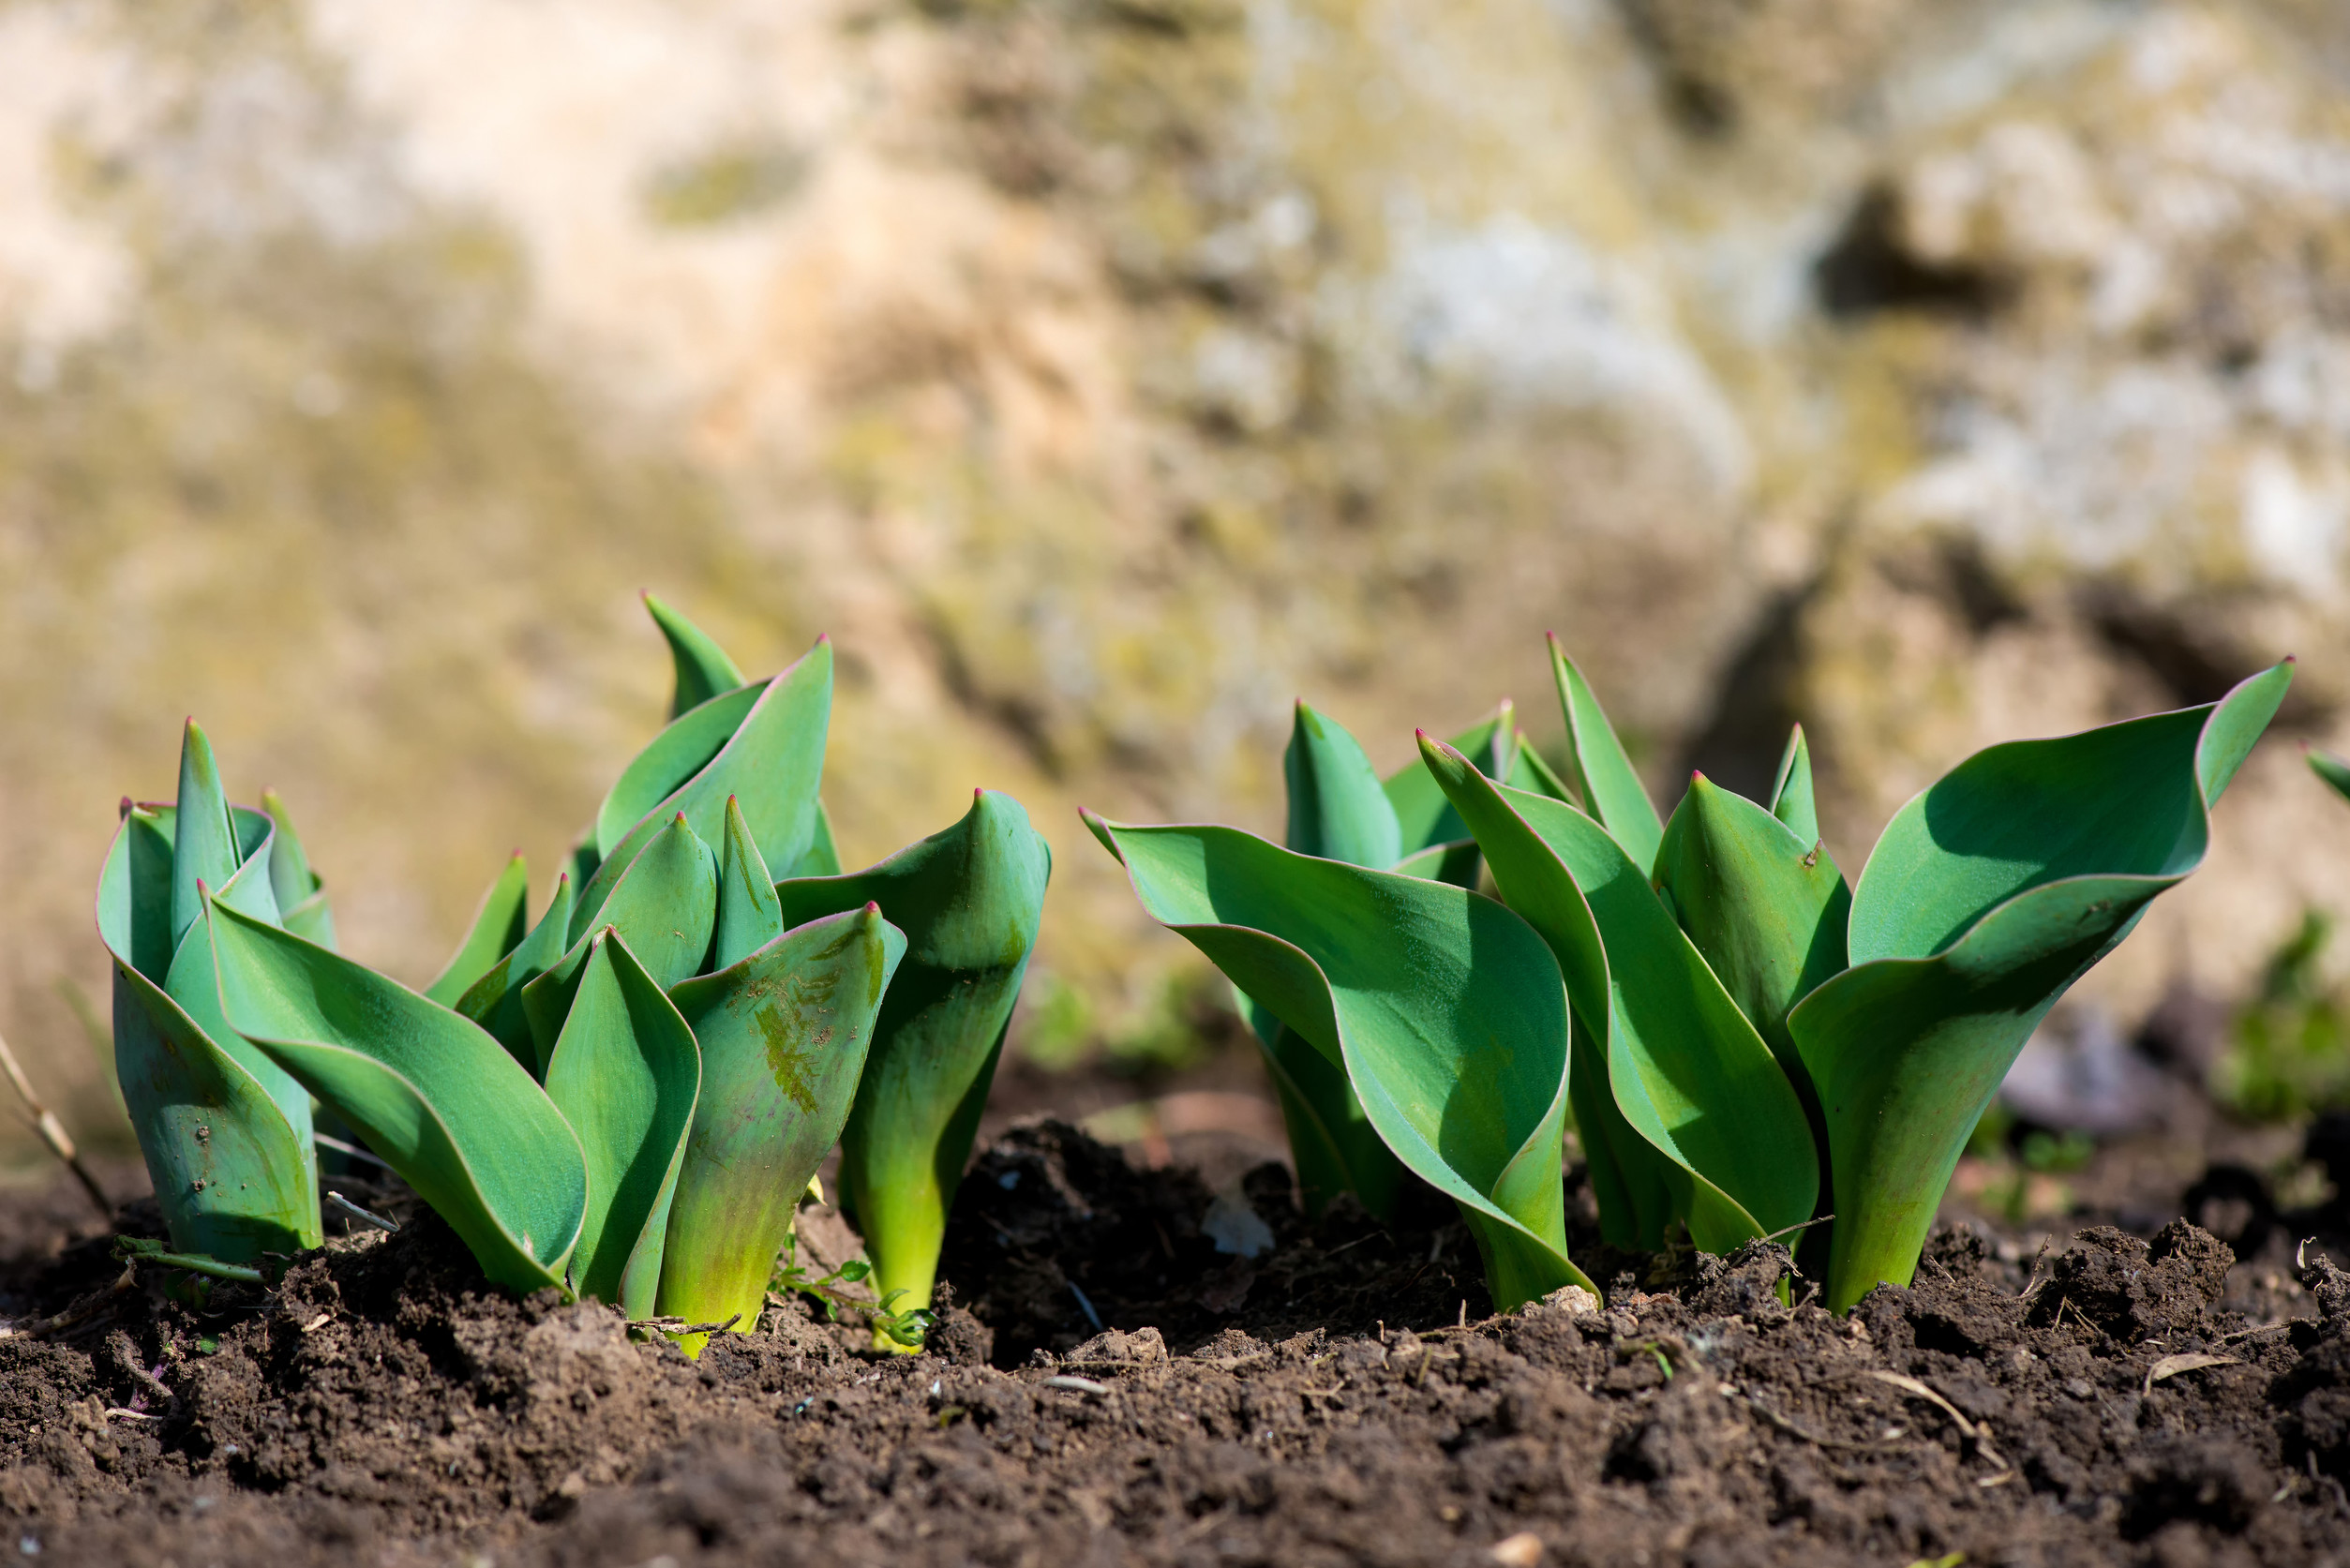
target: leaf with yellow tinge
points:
(968, 900)
(784, 1036)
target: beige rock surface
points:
(1102, 377)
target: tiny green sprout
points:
(138, 1250)
(1756, 1047)
(622, 1098)
(892, 1327)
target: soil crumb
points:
(1138, 1370)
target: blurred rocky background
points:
(1102, 374)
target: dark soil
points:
(1345, 1397)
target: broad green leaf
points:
(663, 907)
(748, 916)
(2032, 813)
(1688, 1072)
(1444, 1011)
(495, 1001)
(1337, 808)
(1629, 1178)
(205, 845)
(1598, 767)
(1766, 909)
(969, 901)
(774, 765)
(499, 926)
(436, 1098)
(626, 1075)
(302, 907)
(1424, 817)
(1791, 791)
(703, 670)
(1988, 895)
(784, 1035)
(233, 1177)
(674, 756)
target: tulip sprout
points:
(1756, 1047)
(625, 1097)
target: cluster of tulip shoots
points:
(626, 1097)
(1750, 1046)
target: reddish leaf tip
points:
(124, 810)
(871, 907)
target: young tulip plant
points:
(626, 1097)
(1756, 1047)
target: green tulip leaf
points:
(823, 857)
(1766, 909)
(436, 1098)
(1337, 807)
(495, 1001)
(1331, 1139)
(192, 986)
(1457, 863)
(1791, 791)
(204, 846)
(626, 1075)
(665, 907)
(748, 916)
(703, 670)
(499, 926)
(1687, 1070)
(968, 900)
(301, 892)
(1527, 770)
(1596, 763)
(1988, 895)
(233, 1174)
(674, 756)
(1426, 820)
(785, 1036)
(1630, 1177)
(1444, 1011)
(1337, 810)
(774, 764)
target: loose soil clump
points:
(1142, 1371)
